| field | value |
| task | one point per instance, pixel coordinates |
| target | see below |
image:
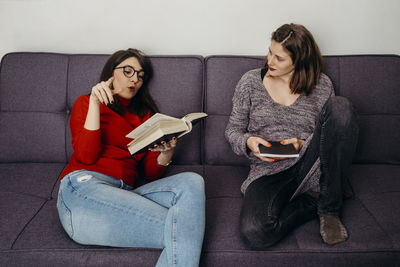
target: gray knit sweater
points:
(255, 113)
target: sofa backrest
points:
(33, 111)
(37, 92)
(222, 75)
(371, 83)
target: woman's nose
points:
(134, 78)
(270, 60)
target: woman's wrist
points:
(165, 158)
(163, 164)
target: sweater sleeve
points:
(236, 131)
(86, 143)
(152, 170)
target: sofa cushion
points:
(377, 187)
(222, 75)
(33, 82)
(224, 181)
(83, 73)
(375, 179)
(32, 136)
(371, 83)
(45, 231)
(16, 211)
(32, 104)
(115, 257)
(223, 245)
(33, 179)
(378, 140)
(217, 149)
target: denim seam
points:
(174, 216)
(165, 189)
(69, 214)
(174, 231)
(324, 171)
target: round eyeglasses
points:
(129, 72)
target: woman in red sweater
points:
(97, 201)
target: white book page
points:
(191, 117)
(150, 122)
(194, 116)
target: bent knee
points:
(259, 235)
(192, 182)
(341, 112)
(194, 179)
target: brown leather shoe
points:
(332, 230)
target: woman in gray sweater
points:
(291, 101)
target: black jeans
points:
(267, 215)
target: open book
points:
(277, 150)
(160, 127)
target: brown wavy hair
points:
(142, 102)
(305, 55)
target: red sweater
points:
(105, 150)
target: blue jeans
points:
(97, 209)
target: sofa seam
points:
(33, 111)
(340, 77)
(227, 197)
(38, 250)
(67, 111)
(1, 67)
(303, 251)
(376, 221)
(202, 122)
(26, 225)
(27, 194)
(55, 184)
(203, 138)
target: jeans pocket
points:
(65, 215)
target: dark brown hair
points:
(305, 55)
(142, 101)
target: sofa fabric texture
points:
(37, 92)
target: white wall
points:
(201, 27)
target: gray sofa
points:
(37, 91)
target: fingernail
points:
(269, 145)
(275, 160)
(282, 142)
